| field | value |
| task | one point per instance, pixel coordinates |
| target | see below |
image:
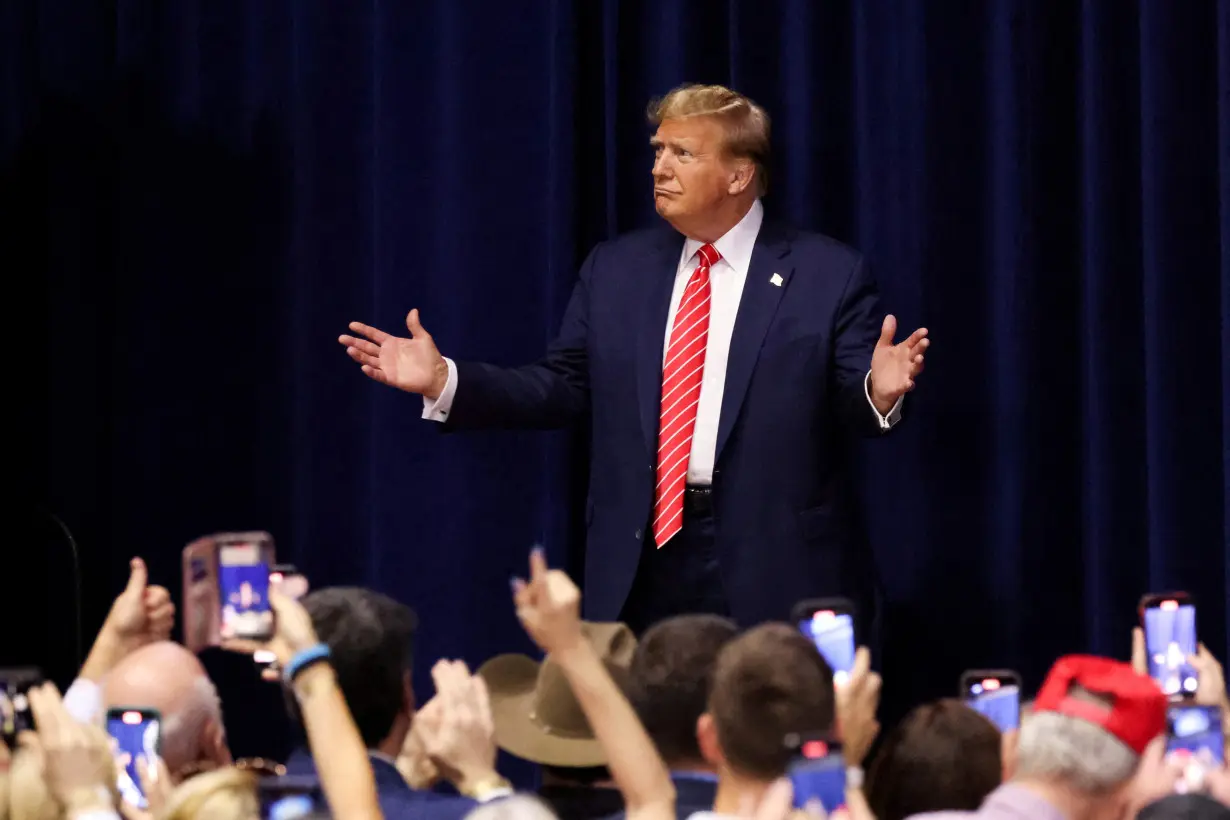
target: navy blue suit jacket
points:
(794, 393)
(397, 800)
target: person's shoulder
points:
(814, 245)
(639, 240)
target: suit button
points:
(637, 535)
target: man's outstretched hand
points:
(413, 365)
(894, 367)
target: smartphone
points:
(221, 602)
(817, 772)
(15, 714)
(1196, 730)
(243, 587)
(829, 622)
(291, 797)
(1169, 623)
(136, 734)
(995, 693)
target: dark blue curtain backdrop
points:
(200, 194)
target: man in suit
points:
(722, 360)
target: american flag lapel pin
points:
(776, 279)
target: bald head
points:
(167, 677)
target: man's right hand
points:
(413, 365)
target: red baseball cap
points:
(1136, 713)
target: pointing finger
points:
(538, 565)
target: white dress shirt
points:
(726, 279)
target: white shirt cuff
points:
(83, 701)
(886, 422)
(438, 409)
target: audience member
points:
(167, 677)
(1091, 750)
(943, 755)
(370, 639)
(669, 684)
(224, 794)
(548, 607)
(538, 718)
(769, 683)
(1185, 807)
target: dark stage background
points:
(199, 195)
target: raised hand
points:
(413, 365)
(549, 606)
(457, 731)
(894, 367)
(142, 613)
(858, 698)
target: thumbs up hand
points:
(142, 613)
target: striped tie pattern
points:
(681, 379)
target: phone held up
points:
(994, 693)
(1168, 620)
(15, 714)
(830, 624)
(136, 735)
(226, 589)
(817, 771)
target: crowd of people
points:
(691, 719)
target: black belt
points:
(698, 500)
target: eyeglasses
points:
(258, 766)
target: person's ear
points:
(214, 744)
(741, 178)
(707, 740)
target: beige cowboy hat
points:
(536, 716)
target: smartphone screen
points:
(1196, 730)
(290, 797)
(996, 695)
(15, 714)
(1170, 639)
(818, 773)
(135, 735)
(832, 630)
(243, 588)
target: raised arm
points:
(550, 393)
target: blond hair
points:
(223, 794)
(745, 123)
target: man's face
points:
(692, 176)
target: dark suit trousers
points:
(684, 576)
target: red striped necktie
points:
(681, 379)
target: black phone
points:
(817, 771)
(830, 624)
(15, 714)
(136, 734)
(995, 693)
(1169, 623)
(291, 797)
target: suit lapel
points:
(661, 264)
(762, 292)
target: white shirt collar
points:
(736, 245)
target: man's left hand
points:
(894, 367)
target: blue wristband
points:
(304, 659)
